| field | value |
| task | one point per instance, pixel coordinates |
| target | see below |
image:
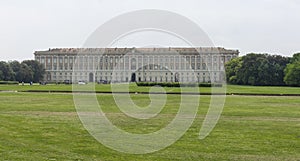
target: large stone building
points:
(135, 64)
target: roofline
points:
(181, 50)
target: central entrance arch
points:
(133, 77)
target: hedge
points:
(9, 82)
(177, 84)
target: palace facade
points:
(135, 64)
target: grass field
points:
(134, 88)
(42, 126)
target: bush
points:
(9, 82)
(177, 84)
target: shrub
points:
(177, 84)
(9, 82)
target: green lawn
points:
(36, 126)
(134, 88)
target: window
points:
(133, 64)
(203, 66)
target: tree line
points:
(264, 70)
(25, 71)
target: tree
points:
(277, 65)
(292, 71)
(6, 73)
(25, 73)
(296, 57)
(1, 75)
(231, 70)
(37, 69)
(257, 69)
(16, 66)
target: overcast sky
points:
(271, 26)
